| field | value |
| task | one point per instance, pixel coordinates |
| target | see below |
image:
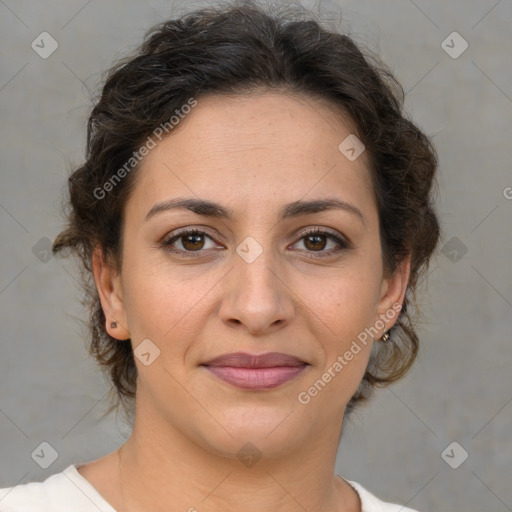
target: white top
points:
(68, 490)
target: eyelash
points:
(342, 244)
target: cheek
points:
(161, 301)
(346, 311)
(345, 303)
(341, 309)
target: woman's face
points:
(252, 280)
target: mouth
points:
(256, 372)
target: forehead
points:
(267, 148)
(266, 120)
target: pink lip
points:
(249, 371)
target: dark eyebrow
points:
(295, 209)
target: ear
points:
(392, 294)
(108, 284)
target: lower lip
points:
(256, 378)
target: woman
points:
(255, 212)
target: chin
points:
(268, 429)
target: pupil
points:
(317, 239)
(193, 239)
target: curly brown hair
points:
(235, 49)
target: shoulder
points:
(55, 494)
(371, 503)
(32, 496)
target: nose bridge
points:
(258, 298)
(255, 268)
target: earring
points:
(113, 325)
(385, 337)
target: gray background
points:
(459, 389)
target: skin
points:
(252, 154)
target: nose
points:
(256, 296)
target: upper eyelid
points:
(184, 231)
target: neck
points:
(160, 466)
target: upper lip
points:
(245, 360)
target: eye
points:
(316, 240)
(192, 242)
(187, 242)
